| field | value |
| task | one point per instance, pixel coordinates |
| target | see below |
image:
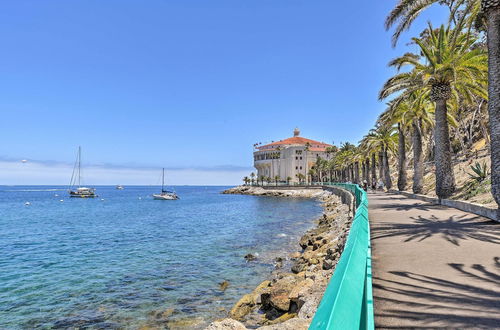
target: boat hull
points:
(82, 196)
(166, 197)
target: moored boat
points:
(165, 194)
(75, 188)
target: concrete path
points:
(433, 266)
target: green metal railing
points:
(348, 299)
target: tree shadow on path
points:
(406, 298)
(453, 229)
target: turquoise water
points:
(115, 261)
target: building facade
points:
(291, 158)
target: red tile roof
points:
(315, 145)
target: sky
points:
(189, 85)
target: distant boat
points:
(165, 194)
(75, 188)
(119, 187)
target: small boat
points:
(75, 188)
(165, 194)
(119, 187)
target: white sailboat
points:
(75, 188)
(165, 194)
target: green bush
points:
(480, 172)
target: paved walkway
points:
(433, 266)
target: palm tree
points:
(288, 179)
(394, 115)
(276, 179)
(301, 177)
(306, 149)
(262, 178)
(269, 180)
(246, 180)
(448, 67)
(382, 139)
(405, 13)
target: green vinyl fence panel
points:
(348, 299)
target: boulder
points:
(327, 264)
(242, 307)
(282, 318)
(277, 297)
(301, 289)
(226, 324)
(223, 285)
(184, 323)
(309, 308)
(292, 324)
(250, 257)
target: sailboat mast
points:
(163, 179)
(79, 164)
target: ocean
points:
(124, 260)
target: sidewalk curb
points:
(478, 209)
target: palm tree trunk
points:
(401, 159)
(445, 180)
(356, 172)
(367, 166)
(363, 164)
(492, 10)
(374, 168)
(381, 165)
(418, 159)
(387, 171)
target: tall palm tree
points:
(405, 13)
(300, 177)
(448, 67)
(262, 178)
(383, 139)
(394, 115)
(276, 179)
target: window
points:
(301, 167)
(300, 158)
(296, 167)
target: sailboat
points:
(75, 188)
(165, 194)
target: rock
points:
(309, 308)
(327, 264)
(295, 255)
(226, 324)
(292, 324)
(250, 257)
(298, 268)
(262, 285)
(314, 261)
(184, 323)
(223, 285)
(282, 318)
(277, 297)
(242, 307)
(301, 289)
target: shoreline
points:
(288, 298)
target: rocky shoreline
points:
(289, 299)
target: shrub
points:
(480, 172)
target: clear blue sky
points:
(189, 85)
